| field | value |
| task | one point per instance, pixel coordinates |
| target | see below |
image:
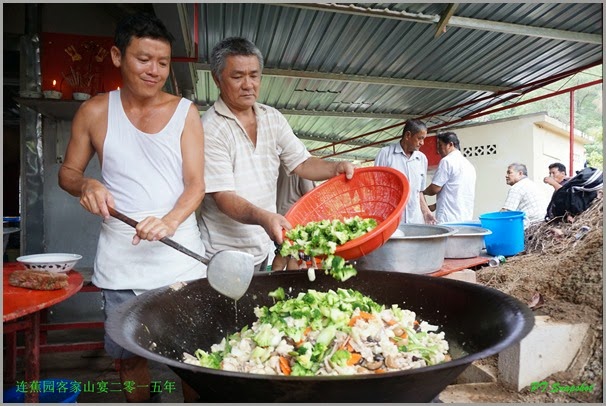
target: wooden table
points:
(453, 265)
(21, 311)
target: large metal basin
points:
(162, 324)
(466, 242)
(413, 248)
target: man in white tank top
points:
(151, 148)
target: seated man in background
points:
(524, 195)
(454, 182)
(557, 175)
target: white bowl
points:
(50, 262)
(52, 94)
(81, 96)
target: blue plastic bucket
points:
(51, 391)
(507, 236)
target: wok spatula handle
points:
(171, 243)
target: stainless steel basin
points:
(413, 248)
(466, 242)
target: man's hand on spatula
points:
(153, 229)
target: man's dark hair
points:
(232, 46)
(140, 25)
(448, 137)
(558, 165)
(414, 126)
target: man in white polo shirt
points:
(524, 195)
(245, 143)
(454, 182)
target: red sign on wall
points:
(77, 63)
(430, 149)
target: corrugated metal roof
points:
(395, 42)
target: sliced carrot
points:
(349, 348)
(284, 366)
(366, 316)
(354, 359)
(390, 322)
(302, 340)
(380, 371)
(362, 315)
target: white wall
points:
(535, 140)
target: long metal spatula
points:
(228, 272)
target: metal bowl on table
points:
(413, 248)
(466, 242)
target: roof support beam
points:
(349, 157)
(330, 140)
(342, 114)
(441, 29)
(342, 77)
(461, 22)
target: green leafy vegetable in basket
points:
(322, 238)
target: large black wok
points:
(162, 324)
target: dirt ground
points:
(565, 267)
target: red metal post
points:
(32, 356)
(10, 359)
(196, 40)
(570, 168)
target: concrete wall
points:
(68, 226)
(535, 140)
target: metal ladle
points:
(228, 272)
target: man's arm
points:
(94, 197)
(192, 153)
(551, 181)
(243, 211)
(427, 214)
(318, 169)
(432, 190)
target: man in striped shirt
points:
(245, 143)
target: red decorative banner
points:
(77, 63)
(430, 149)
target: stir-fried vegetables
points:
(327, 333)
(322, 238)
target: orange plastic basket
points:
(375, 192)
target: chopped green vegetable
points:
(333, 332)
(212, 360)
(318, 238)
(278, 294)
(340, 357)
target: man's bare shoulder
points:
(95, 107)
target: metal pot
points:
(163, 323)
(466, 242)
(413, 248)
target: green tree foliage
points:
(587, 109)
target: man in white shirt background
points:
(524, 195)
(406, 157)
(454, 182)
